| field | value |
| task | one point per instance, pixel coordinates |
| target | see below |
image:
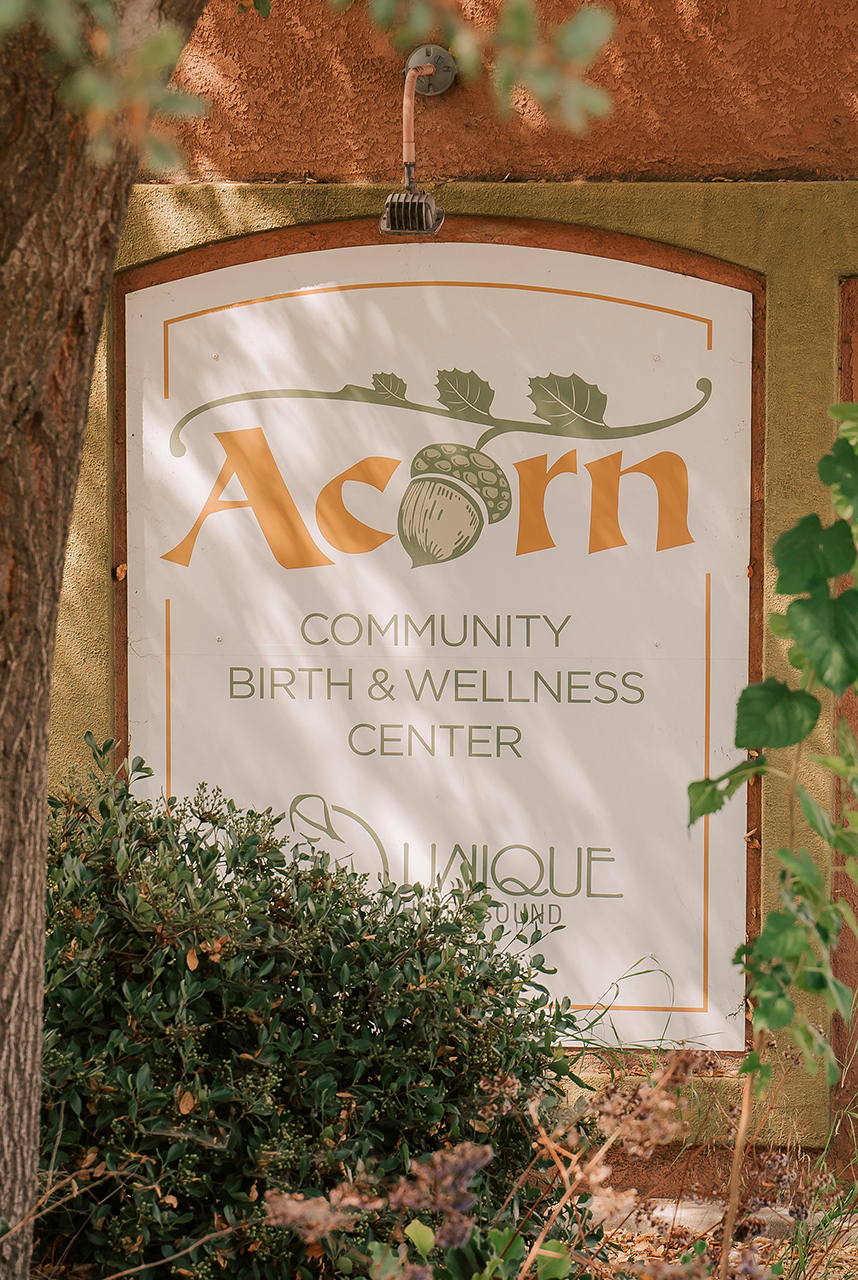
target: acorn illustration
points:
(454, 491)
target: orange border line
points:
(168, 698)
(566, 293)
(421, 284)
(707, 721)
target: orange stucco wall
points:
(703, 89)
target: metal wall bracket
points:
(444, 64)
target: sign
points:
(442, 549)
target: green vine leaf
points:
(779, 626)
(464, 394)
(839, 470)
(809, 554)
(709, 794)
(565, 401)
(847, 745)
(827, 630)
(820, 822)
(771, 714)
(390, 386)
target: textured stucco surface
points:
(802, 237)
(702, 89)
(82, 690)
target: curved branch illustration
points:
(564, 406)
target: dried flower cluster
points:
(414, 1271)
(439, 1184)
(782, 1183)
(498, 1094)
(436, 1184)
(640, 1120)
(652, 1115)
(648, 1117)
(748, 1265)
(608, 1203)
(315, 1217)
(311, 1218)
(687, 1062)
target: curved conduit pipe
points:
(411, 212)
(409, 150)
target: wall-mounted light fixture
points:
(429, 71)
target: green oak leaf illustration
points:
(390, 386)
(464, 394)
(566, 401)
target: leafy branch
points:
(550, 61)
(118, 86)
(794, 951)
(564, 406)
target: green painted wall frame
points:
(803, 237)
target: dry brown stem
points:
(736, 1170)
(133, 1271)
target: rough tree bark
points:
(60, 220)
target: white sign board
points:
(442, 548)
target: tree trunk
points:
(60, 220)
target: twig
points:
(55, 1150)
(133, 1271)
(582, 1176)
(550, 1146)
(36, 1212)
(793, 794)
(531, 1211)
(736, 1171)
(519, 1182)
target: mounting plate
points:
(444, 64)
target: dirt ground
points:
(653, 1255)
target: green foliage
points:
(826, 629)
(455, 1246)
(118, 92)
(492, 1254)
(226, 1015)
(809, 554)
(709, 794)
(771, 714)
(116, 87)
(551, 62)
(794, 949)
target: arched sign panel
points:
(443, 549)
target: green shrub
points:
(227, 1014)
